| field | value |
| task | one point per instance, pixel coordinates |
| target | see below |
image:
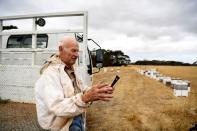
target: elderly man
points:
(61, 97)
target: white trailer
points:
(22, 53)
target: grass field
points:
(141, 103)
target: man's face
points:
(70, 53)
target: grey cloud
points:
(17, 7)
(149, 18)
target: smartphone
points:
(115, 80)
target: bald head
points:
(67, 41)
(68, 50)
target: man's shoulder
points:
(52, 68)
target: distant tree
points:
(195, 63)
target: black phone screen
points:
(115, 80)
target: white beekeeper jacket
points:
(56, 103)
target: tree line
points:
(118, 58)
(161, 62)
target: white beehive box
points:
(156, 75)
(141, 72)
(188, 84)
(174, 81)
(180, 88)
(167, 81)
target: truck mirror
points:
(99, 58)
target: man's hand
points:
(98, 92)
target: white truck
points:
(23, 52)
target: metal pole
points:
(34, 39)
(85, 33)
(1, 42)
(84, 53)
(1, 29)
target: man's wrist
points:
(79, 102)
(85, 98)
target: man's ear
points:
(60, 48)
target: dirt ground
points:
(18, 117)
(141, 103)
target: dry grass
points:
(141, 103)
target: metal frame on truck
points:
(17, 78)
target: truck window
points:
(25, 41)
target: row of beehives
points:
(180, 87)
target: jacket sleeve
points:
(54, 96)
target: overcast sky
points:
(142, 29)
